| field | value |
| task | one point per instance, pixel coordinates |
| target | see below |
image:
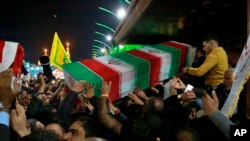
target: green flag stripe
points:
(81, 72)
(142, 68)
(175, 53)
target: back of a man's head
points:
(90, 126)
(137, 130)
(154, 105)
(41, 135)
(187, 134)
(95, 139)
(200, 50)
(210, 37)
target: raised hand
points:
(18, 120)
(105, 89)
(193, 114)
(42, 80)
(184, 70)
(210, 104)
(188, 96)
(90, 91)
(42, 83)
(112, 107)
(136, 99)
(178, 84)
(172, 90)
(89, 106)
(8, 94)
(140, 93)
(78, 87)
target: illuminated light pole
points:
(38, 63)
(45, 52)
(67, 49)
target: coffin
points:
(142, 67)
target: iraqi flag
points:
(11, 56)
(142, 67)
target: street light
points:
(108, 37)
(121, 13)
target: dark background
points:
(33, 23)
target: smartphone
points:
(189, 88)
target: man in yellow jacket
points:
(215, 64)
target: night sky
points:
(33, 24)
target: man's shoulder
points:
(217, 51)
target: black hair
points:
(90, 126)
(154, 105)
(200, 49)
(45, 114)
(210, 37)
(137, 130)
(32, 123)
(41, 135)
(193, 132)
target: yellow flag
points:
(58, 55)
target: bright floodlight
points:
(109, 38)
(103, 50)
(121, 13)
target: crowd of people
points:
(46, 109)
